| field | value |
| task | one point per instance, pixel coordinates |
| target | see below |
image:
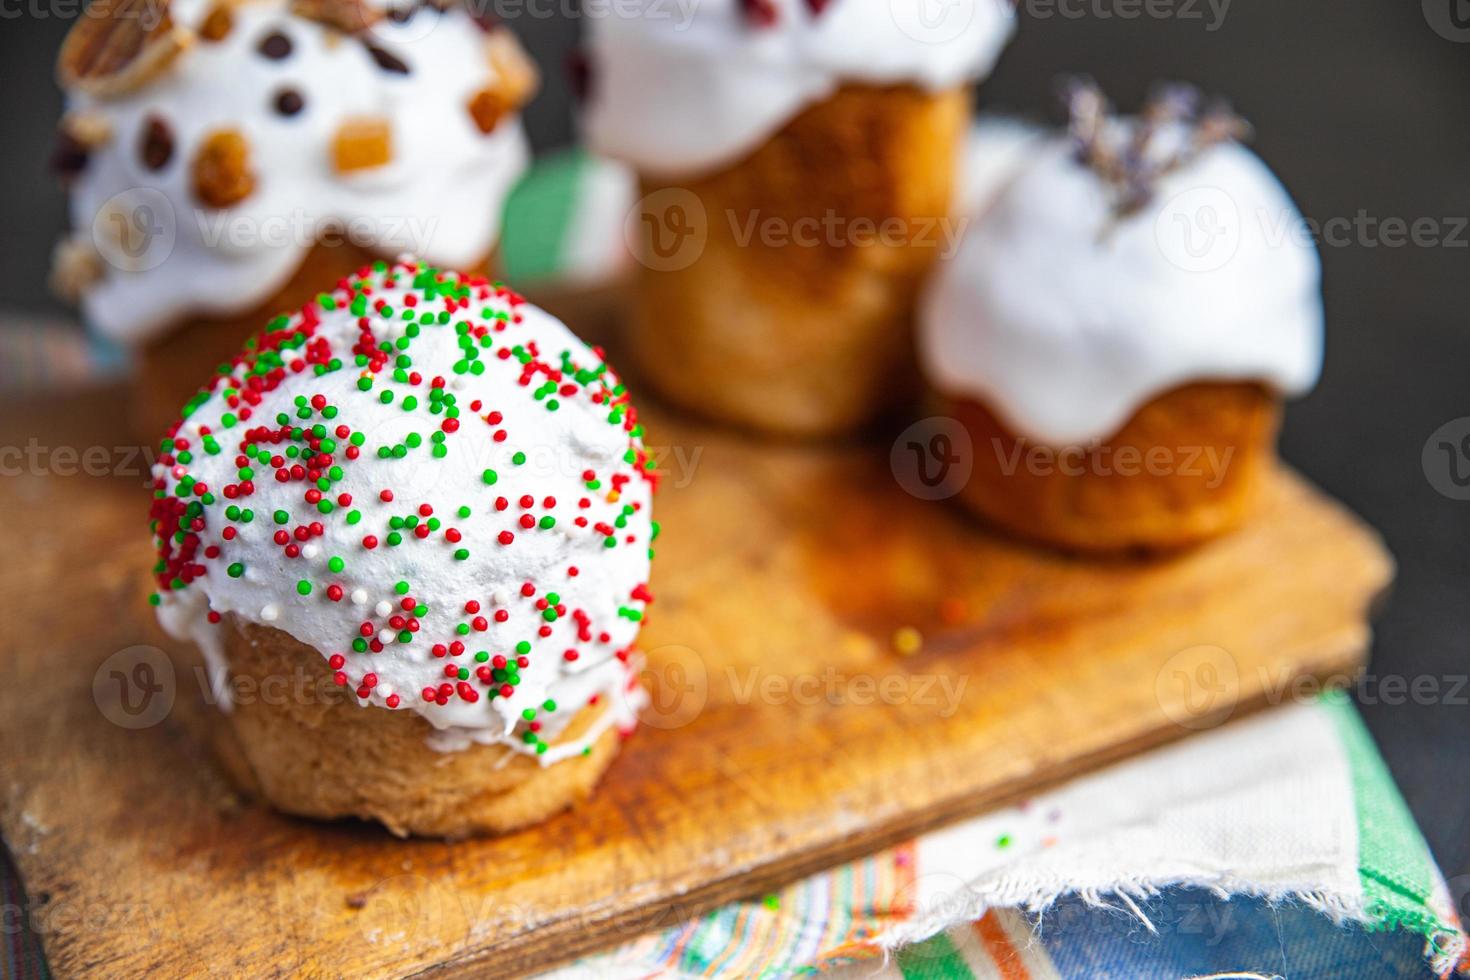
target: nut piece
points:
(118, 46)
(90, 129)
(487, 109)
(348, 16)
(75, 267)
(217, 24)
(222, 174)
(362, 143)
(515, 81)
(515, 72)
(156, 148)
(78, 135)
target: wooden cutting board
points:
(787, 733)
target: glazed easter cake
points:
(798, 162)
(1120, 326)
(227, 159)
(431, 497)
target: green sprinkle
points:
(303, 587)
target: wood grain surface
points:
(787, 734)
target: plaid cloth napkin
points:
(1277, 846)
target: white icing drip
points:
(559, 446)
(1066, 321)
(440, 196)
(679, 89)
(612, 681)
(185, 618)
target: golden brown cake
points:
(1186, 467)
(323, 756)
(794, 335)
(798, 167)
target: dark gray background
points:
(1359, 105)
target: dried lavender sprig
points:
(1134, 174)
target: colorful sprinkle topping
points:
(455, 487)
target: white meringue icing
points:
(589, 508)
(1065, 320)
(440, 196)
(680, 88)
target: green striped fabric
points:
(538, 216)
(1394, 865)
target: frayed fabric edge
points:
(1444, 949)
(1121, 896)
